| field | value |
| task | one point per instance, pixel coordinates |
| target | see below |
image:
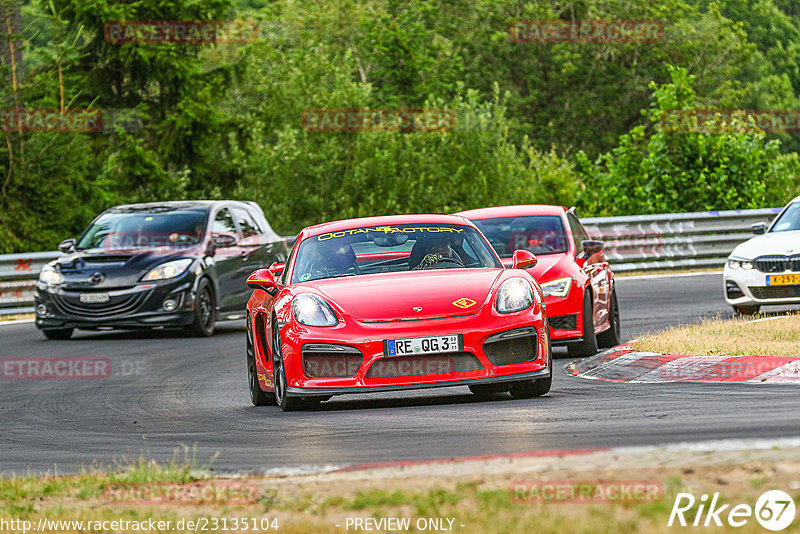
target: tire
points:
(286, 403)
(747, 310)
(58, 333)
(205, 311)
(257, 396)
(588, 346)
(611, 337)
(534, 388)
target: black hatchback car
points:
(160, 264)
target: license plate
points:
(424, 345)
(783, 279)
(95, 298)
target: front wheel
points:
(205, 311)
(257, 396)
(587, 346)
(534, 388)
(611, 337)
(747, 310)
(287, 403)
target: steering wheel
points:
(443, 259)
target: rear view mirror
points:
(759, 228)
(277, 268)
(523, 259)
(67, 246)
(263, 279)
(590, 248)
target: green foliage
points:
(731, 166)
(552, 123)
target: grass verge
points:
(469, 497)
(775, 336)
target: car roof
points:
(177, 205)
(513, 211)
(346, 224)
(795, 200)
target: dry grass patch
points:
(777, 336)
(17, 317)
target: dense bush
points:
(551, 123)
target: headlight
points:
(50, 276)
(739, 263)
(515, 294)
(171, 269)
(311, 310)
(557, 288)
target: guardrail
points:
(676, 240)
(634, 243)
(18, 272)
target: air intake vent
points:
(322, 360)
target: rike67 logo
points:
(774, 510)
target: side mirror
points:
(759, 228)
(263, 279)
(67, 246)
(590, 248)
(225, 240)
(277, 268)
(523, 259)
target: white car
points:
(766, 269)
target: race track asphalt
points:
(169, 393)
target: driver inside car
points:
(333, 258)
(436, 250)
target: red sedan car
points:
(394, 303)
(577, 281)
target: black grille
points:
(733, 290)
(331, 361)
(112, 258)
(775, 292)
(512, 347)
(70, 304)
(564, 322)
(777, 264)
(429, 364)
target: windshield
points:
(125, 231)
(789, 220)
(537, 234)
(386, 249)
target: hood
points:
(393, 296)
(777, 243)
(548, 268)
(117, 269)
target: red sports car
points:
(395, 303)
(577, 281)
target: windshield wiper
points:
(341, 275)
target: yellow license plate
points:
(783, 279)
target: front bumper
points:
(375, 372)
(753, 289)
(140, 306)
